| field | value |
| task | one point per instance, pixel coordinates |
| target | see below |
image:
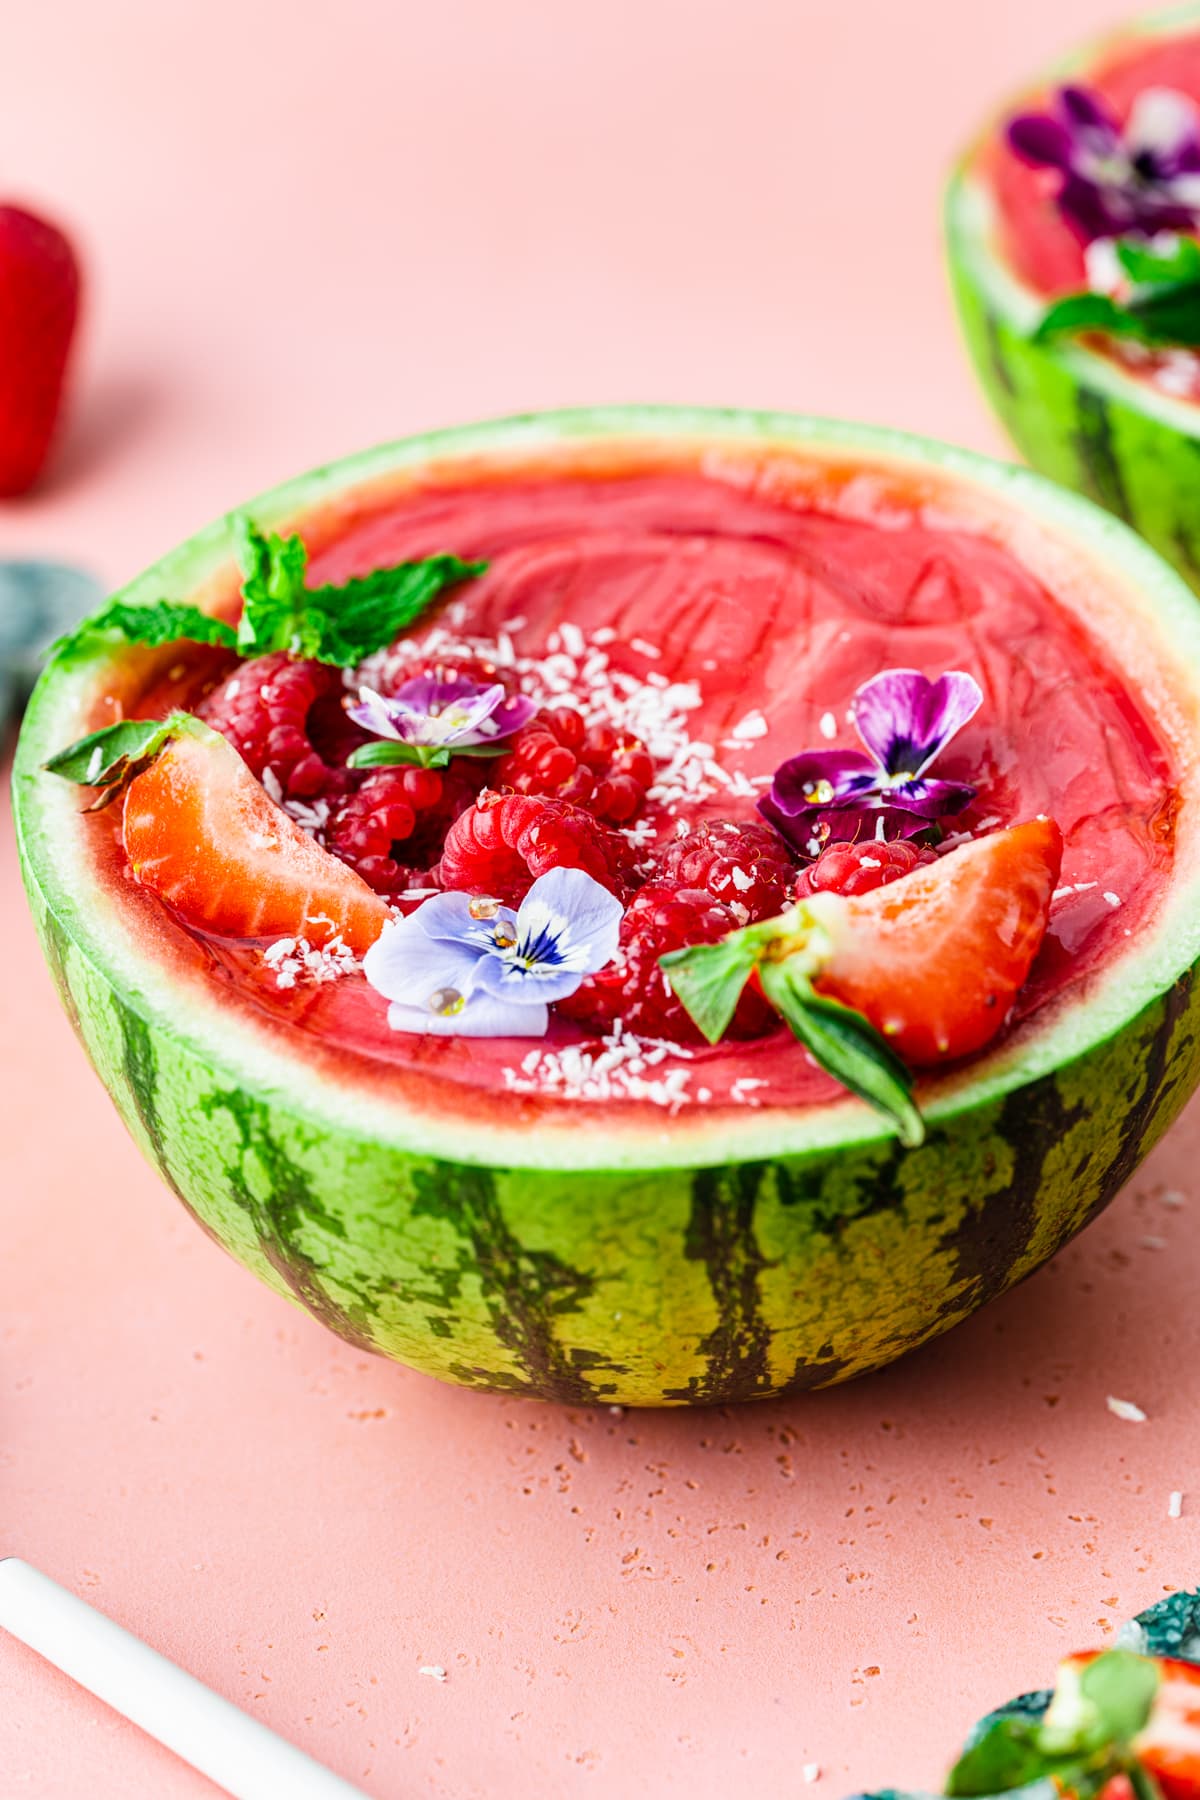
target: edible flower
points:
(905, 721)
(430, 717)
(466, 966)
(1143, 178)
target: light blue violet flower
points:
(905, 720)
(466, 966)
(430, 718)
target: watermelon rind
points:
(623, 1254)
(1074, 415)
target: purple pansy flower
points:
(905, 721)
(1143, 178)
(468, 967)
(435, 717)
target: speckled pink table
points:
(311, 229)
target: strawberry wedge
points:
(935, 960)
(203, 835)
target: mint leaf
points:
(1006, 1756)
(162, 622)
(707, 980)
(1146, 265)
(846, 1046)
(109, 758)
(337, 624)
(1082, 312)
(367, 613)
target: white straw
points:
(208, 1732)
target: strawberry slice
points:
(1168, 1745)
(202, 834)
(935, 960)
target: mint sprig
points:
(1085, 1739)
(110, 758)
(336, 623)
(708, 980)
(162, 622)
(1163, 307)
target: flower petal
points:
(374, 713)
(905, 720)
(1038, 139)
(824, 778)
(405, 964)
(1164, 128)
(1087, 114)
(509, 716)
(593, 914)
(481, 1017)
(447, 917)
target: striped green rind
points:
(1076, 416)
(669, 1261)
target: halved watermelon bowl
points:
(748, 1229)
(1122, 427)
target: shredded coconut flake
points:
(1175, 1505)
(1125, 1409)
(1113, 899)
(295, 959)
(827, 725)
(619, 1070)
(434, 1670)
(811, 1771)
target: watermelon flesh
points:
(777, 612)
(738, 1228)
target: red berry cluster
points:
(268, 709)
(634, 989)
(408, 810)
(594, 766)
(743, 864)
(860, 868)
(502, 843)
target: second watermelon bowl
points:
(682, 1225)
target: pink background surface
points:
(308, 231)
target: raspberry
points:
(859, 868)
(741, 863)
(406, 809)
(505, 841)
(635, 990)
(270, 708)
(593, 766)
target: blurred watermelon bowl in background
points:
(1071, 228)
(672, 615)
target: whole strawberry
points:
(39, 306)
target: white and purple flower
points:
(431, 718)
(905, 721)
(1144, 177)
(463, 966)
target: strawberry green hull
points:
(604, 1255)
(1075, 425)
(1074, 414)
(691, 1285)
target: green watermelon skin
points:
(1072, 414)
(687, 1286)
(782, 1254)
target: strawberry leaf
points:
(707, 980)
(162, 622)
(846, 1046)
(109, 758)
